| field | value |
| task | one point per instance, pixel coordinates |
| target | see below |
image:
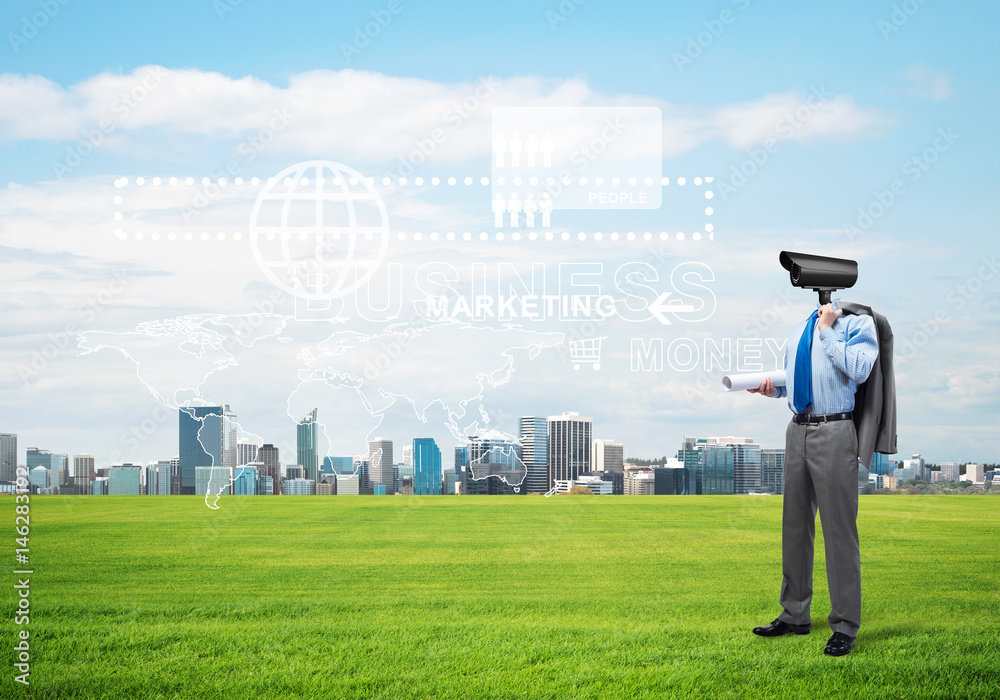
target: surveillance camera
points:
(819, 273)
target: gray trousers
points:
(821, 470)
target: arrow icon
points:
(660, 308)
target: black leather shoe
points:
(839, 645)
(780, 627)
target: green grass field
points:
(493, 597)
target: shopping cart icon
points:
(586, 352)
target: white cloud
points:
(372, 117)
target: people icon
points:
(499, 148)
(514, 207)
(499, 207)
(515, 146)
(546, 206)
(530, 207)
(547, 146)
(531, 150)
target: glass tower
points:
(207, 438)
(307, 434)
(426, 467)
(535, 452)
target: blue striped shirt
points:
(842, 357)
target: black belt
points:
(801, 418)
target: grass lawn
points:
(493, 597)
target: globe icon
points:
(319, 230)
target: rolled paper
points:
(752, 380)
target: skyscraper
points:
(746, 467)
(8, 457)
(269, 470)
(207, 437)
(534, 440)
(426, 467)
(569, 446)
(609, 456)
(492, 456)
(307, 435)
(713, 466)
(125, 480)
(246, 451)
(83, 473)
(158, 478)
(380, 462)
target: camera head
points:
(819, 273)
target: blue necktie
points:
(803, 392)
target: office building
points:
(669, 480)
(40, 478)
(713, 466)
(570, 436)
(903, 474)
(380, 462)
(746, 462)
(597, 485)
(246, 451)
(338, 465)
(974, 473)
(534, 439)
(83, 474)
(772, 469)
(268, 469)
(608, 456)
(408, 456)
(862, 478)
(950, 471)
(43, 458)
(426, 467)
(245, 480)
(125, 480)
(8, 458)
(158, 478)
(881, 464)
(491, 479)
(348, 485)
(300, 487)
(327, 488)
(265, 483)
(916, 464)
(215, 481)
(449, 481)
(493, 448)
(307, 436)
(294, 471)
(616, 479)
(207, 438)
(99, 487)
(642, 483)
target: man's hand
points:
(766, 388)
(827, 316)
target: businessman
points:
(827, 357)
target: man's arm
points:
(856, 355)
(767, 387)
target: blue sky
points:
(896, 85)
